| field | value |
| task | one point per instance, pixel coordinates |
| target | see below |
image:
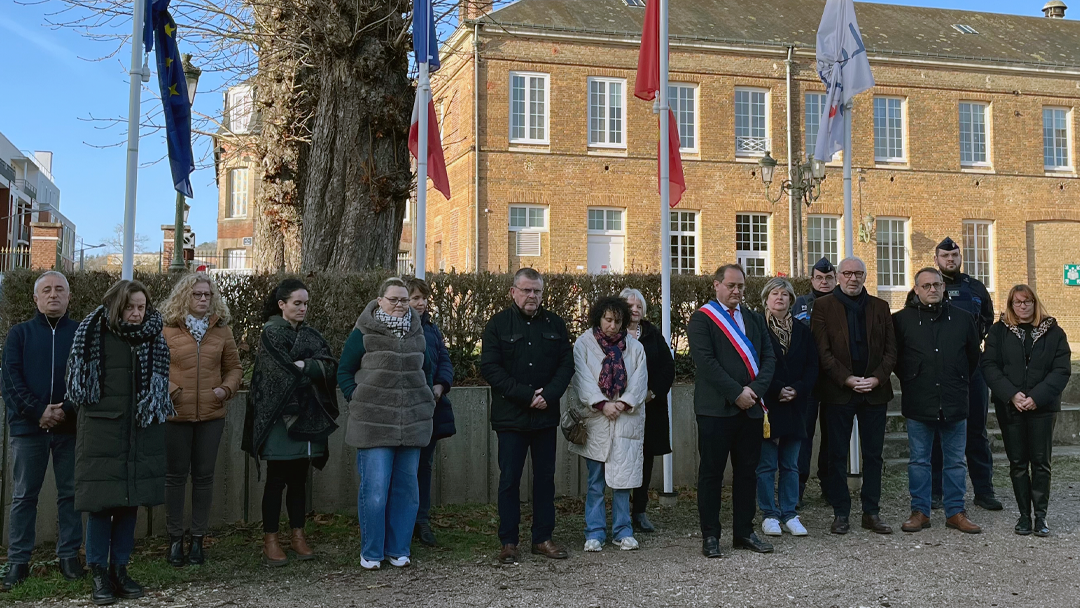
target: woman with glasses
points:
(386, 376)
(1027, 363)
(204, 374)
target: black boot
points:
(16, 574)
(196, 556)
(422, 532)
(102, 589)
(125, 586)
(176, 551)
(71, 568)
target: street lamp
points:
(84, 249)
(191, 75)
(804, 183)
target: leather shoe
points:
(1023, 525)
(550, 550)
(916, 522)
(937, 502)
(874, 524)
(101, 592)
(753, 543)
(508, 555)
(988, 502)
(197, 554)
(840, 525)
(124, 585)
(961, 522)
(422, 532)
(176, 552)
(710, 546)
(642, 523)
(1040, 527)
(16, 574)
(72, 568)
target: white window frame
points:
(234, 193)
(234, 254)
(813, 255)
(765, 139)
(973, 258)
(1068, 166)
(527, 116)
(754, 253)
(607, 211)
(973, 136)
(677, 91)
(241, 108)
(676, 245)
(889, 158)
(906, 261)
(526, 227)
(605, 127)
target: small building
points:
(29, 195)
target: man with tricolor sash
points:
(735, 363)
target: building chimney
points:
(45, 160)
(474, 9)
(1054, 9)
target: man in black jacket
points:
(822, 283)
(528, 360)
(727, 401)
(42, 422)
(937, 349)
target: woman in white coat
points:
(611, 381)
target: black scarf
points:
(858, 343)
(819, 294)
(85, 363)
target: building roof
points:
(887, 29)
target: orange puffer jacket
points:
(196, 369)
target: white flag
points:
(843, 67)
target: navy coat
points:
(799, 370)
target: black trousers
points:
(192, 447)
(1029, 437)
(739, 437)
(814, 422)
(280, 474)
(514, 446)
(641, 494)
(841, 419)
(980, 460)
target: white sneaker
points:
(627, 543)
(771, 527)
(400, 562)
(592, 545)
(795, 527)
(369, 565)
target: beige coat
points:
(196, 369)
(618, 444)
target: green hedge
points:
(461, 303)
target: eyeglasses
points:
(201, 295)
(933, 286)
(1023, 302)
(397, 301)
(530, 292)
(858, 274)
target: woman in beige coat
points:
(611, 381)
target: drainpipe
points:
(476, 143)
(793, 224)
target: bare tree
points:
(115, 242)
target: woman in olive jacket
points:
(118, 379)
(1027, 363)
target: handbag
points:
(572, 423)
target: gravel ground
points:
(936, 567)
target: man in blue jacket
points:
(42, 421)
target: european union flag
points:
(425, 43)
(174, 98)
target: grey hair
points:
(851, 259)
(51, 273)
(778, 283)
(630, 292)
(530, 274)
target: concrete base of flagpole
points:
(854, 483)
(668, 499)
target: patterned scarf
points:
(151, 352)
(197, 326)
(399, 325)
(612, 381)
(781, 328)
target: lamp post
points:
(191, 75)
(83, 250)
(804, 184)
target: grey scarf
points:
(197, 326)
(399, 325)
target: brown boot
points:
(961, 522)
(916, 522)
(272, 553)
(300, 546)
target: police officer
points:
(822, 283)
(967, 293)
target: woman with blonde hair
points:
(1027, 363)
(204, 374)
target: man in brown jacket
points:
(857, 346)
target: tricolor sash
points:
(726, 322)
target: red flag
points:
(436, 163)
(677, 183)
(648, 65)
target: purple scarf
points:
(612, 380)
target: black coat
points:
(519, 355)
(797, 369)
(34, 366)
(721, 373)
(1008, 371)
(937, 350)
(661, 376)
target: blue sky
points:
(52, 91)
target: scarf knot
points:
(197, 326)
(613, 378)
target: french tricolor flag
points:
(436, 161)
(426, 47)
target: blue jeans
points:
(782, 454)
(387, 500)
(423, 479)
(29, 462)
(110, 536)
(596, 512)
(954, 470)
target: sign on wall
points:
(1072, 274)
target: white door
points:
(606, 253)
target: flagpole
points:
(135, 72)
(854, 451)
(665, 221)
(420, 244)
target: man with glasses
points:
(969, 294)
(528, 360)
(937, 350)
(854, 335)
(822, 283)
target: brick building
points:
(970, 132)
